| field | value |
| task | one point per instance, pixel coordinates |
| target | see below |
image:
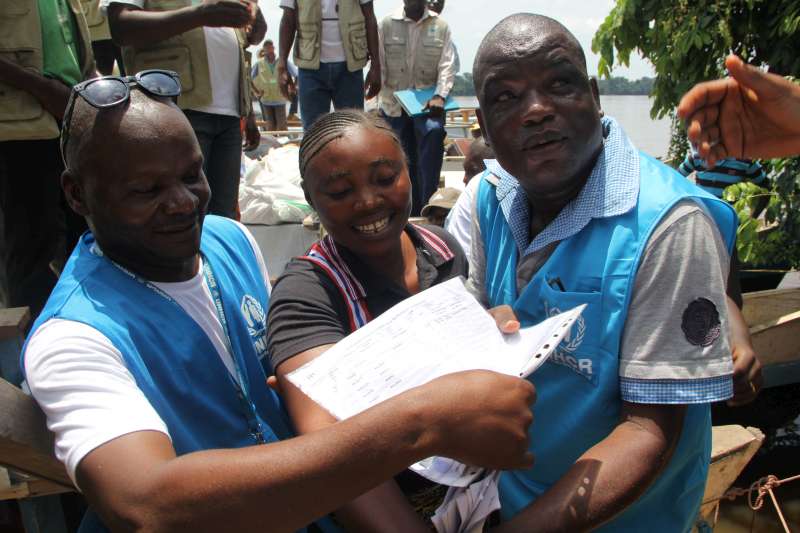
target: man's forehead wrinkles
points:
(509, 66)
(512, 52)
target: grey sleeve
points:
(476, 283)
(677, 324)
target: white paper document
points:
(433, 333)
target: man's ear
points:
(596, 93)
(484, 131)
(74, 192)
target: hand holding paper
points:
(439, 331)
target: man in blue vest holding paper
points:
(579, 216)
(147, 357)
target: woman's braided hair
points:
(334, 126)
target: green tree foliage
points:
(463, 86)
(687, 41)
(619, 85)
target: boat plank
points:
(25, 442)
(732, 447)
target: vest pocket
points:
(429, 62)
(18, 26)
(395, 58)
(358, 40)
(16, 104)
(175, 58)
(307, 43)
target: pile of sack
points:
(269, 191)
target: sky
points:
(469, 21)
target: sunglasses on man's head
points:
(110, 91)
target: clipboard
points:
(413, 101)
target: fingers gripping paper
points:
(436, 332)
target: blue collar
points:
(612, 189)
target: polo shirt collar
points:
(612, 189)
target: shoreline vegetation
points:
(615, 85)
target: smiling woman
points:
(355, 175)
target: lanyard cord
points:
(239, 383)
(253, 420)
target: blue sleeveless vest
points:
(578, 396)
(170, 356)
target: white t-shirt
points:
(459, 221)
(331, 48)
(223, 65)
(82, 384)
(222, 48)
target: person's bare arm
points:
(383, 508)
(132, 26)
(608, 477)
(752, 114)
(287, 32)
(747, 378)
(136, 482)
(252, 136)
(372, 84)
(52, 94)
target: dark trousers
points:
(220, 140)
(38, 228)
(105, 53)
(423, 142)
(333, 84)
(274, 116)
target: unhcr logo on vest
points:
(565, 352)
(256, 319)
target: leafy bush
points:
(687, 41)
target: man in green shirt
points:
(47, 51)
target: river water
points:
(633, 113)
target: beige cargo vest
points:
(22, 118)
(96, 20)
(267, 82)
(309, 34)
(426, 58)
(187, 55)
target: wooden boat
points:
(774, 320)
(732, 447)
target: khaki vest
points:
(352, 26)
(96, 20)
(22, 118)
(426, 57)
(267, 83)
(187, 55)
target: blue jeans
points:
(423, 141)
(332, 83)
(220, 139)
